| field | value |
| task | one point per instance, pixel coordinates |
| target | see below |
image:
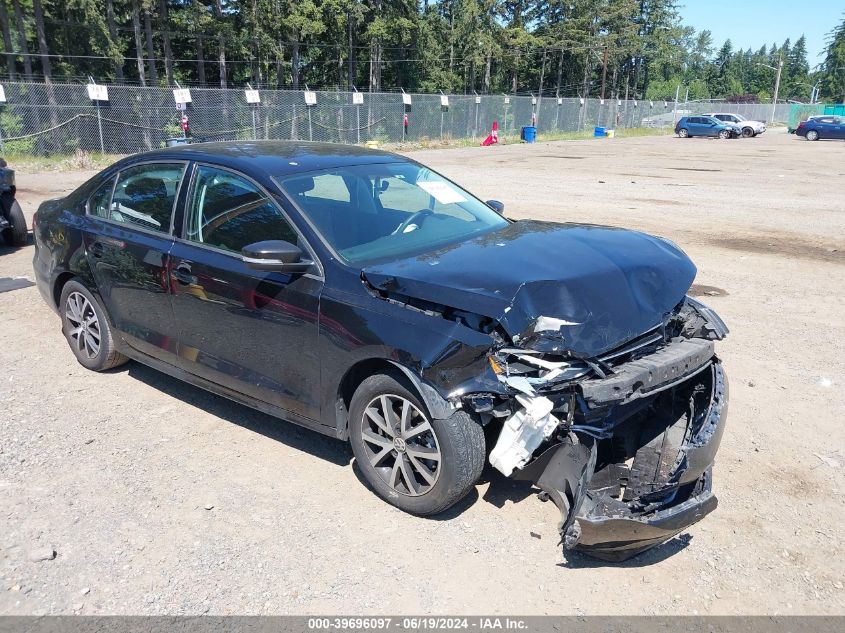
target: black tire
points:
(723, 134)
(684, 133)
(747, 132)
(812, 135)
(106, 356)
(14, 214)
(459, 439)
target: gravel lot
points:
(160, 498)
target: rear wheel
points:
(723, 134)
(812, 135)
(86, 329)
(413, 461)
(14, 214)
(683, 132)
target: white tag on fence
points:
(406, 98)
(310, 98)
(478, 99)
(97, 92)
(182, 95)
(507, 100)
(2, 94)
(357, 98)
(252, 96)
(444, 101)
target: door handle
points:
(183, 275)
(97, 249)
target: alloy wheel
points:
(401, 445)
(84, 325)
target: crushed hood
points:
(572, 288)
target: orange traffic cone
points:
(493, 137)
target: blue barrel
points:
(600, 131)
(529, 134)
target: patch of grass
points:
(88, 161)
(78, 161)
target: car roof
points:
(275, 158)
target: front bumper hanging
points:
(649, 477)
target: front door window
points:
(228, 212)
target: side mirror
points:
(275, 255)
(498, 207)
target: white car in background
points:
(749, 128)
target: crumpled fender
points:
(438, 406)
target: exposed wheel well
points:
(357, 374)
(61, 280)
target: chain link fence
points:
(45, 119)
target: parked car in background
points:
(12, 222)
(792, 130)
(822, 127)
(360, 294)
(702, 125)
(747, 127)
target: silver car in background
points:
(749, 128)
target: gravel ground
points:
(157, 497)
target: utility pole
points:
(777, 88)
(604, 72)
(675, 109)
(779, 69)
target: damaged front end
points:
(622, 442)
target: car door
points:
(824, 127)
(251, 331)
(695, 126)
(128, 236)
(837, 128)
(710, 126)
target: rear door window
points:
(145, 195)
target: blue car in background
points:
(705, 126)
(822, 127)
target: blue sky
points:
(752, 23)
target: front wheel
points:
(14, 214)
(413, 461)
(683, 132)
(812, 135)
(723, 134)
(747, 132)
(86, 329)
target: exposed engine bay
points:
(623, 443)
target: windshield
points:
(371, 212)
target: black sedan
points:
(362, 295)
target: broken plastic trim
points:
(613, 510)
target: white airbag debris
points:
(546, 324)
(523, 432)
